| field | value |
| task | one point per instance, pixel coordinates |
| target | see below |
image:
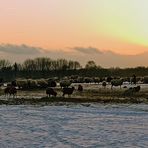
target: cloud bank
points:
(19, 53)
(89, 50)
(19, 49)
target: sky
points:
(119, 26)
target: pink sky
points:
(117, 25)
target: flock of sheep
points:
(65, 84)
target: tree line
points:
(43, 67)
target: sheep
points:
(80, 88)
(50, 91)
(52, 83)
(6, 90)
(145, 80)
(136, 89)
(131, 91)
(104, 84)
(96, 79)
(22, 83)
(116, 82)
(68, 91)
(1, 82)
(10, 90)
(42, 83)
(13, 83)
(88, 80)
(26, 84)
(133, 80)
(108, 79)
(80, 80)
(32, 84)
(65, 83)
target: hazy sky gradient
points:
(117, 25)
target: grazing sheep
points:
(96, 80)
(104, 84)
(65, 83)
(136, 89)
(145, 80)
(6, 90)
(80, 88)
(42, 83)
(52, 83)
(131, 91)
(68, 91)
(88, 80)
(80, 80)
(51, 92)
(133, 80)
(22, 83)
(108, 79)
(10, 90)
(116, 82)
(32, 84)
(1, 82)
(13, 83)
(125, 87)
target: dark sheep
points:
(104, 84)
(51, 92)
(131, 91)
(133, 80)
(13, 83)
(10, 90)
(80, 88)
(1, 81)
(108, 79)
(52, 83)
(136, 89)
(68, 91)
(6, 90)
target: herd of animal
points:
(11, 89)
(65, 84)
(66, 90)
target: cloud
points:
(89, 50)
(104, 58)
(19, 49)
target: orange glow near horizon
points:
(117, 25)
